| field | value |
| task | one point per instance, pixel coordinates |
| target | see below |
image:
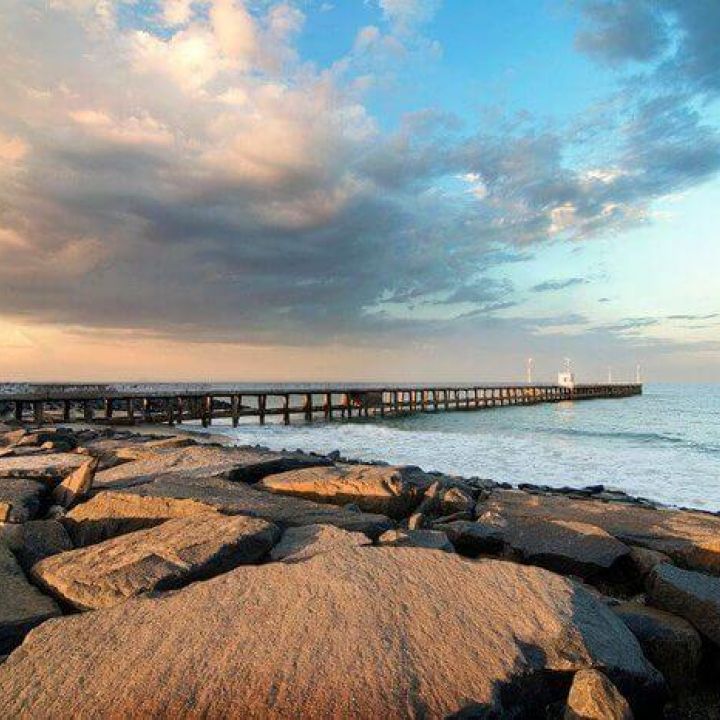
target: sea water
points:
(663, 445)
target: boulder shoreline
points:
(169, 575)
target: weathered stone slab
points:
(473, 538)
(691, 539)
(35, 540)
(76, 485)
(104, 516)
(594, 697)
(568, 547)
(347, 631)
(164, 557)
(691, 595)
(51, 468)
(392, 491)
(203, 461)
(670, 643)
(20, 500)
(22, 606)
(109, 514)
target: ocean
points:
(663, 445)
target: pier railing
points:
(106, 405)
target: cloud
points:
(551, 285)
(196, 178)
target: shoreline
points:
(370, 547)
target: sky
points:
(401, 190)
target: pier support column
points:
(180, 409)
(66, 410)
(308, 406)
(88, 411)
(235, 409)
(207, 410)
(262, 406)
(19, 410)
(130, 410)
(38, 412)
(170, 411)
(108, 404)
(286, 408)
(328, 408)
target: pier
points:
(107, 405)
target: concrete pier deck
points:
(106, 404)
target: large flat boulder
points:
(392, 491)
(203, 461)
(670, 643)
(168, 556)
(692, 595)
(49, 468)
(345, 630)
(691, 539)
(20, 499)
(568, 547)
(107, 514)
(22, 606)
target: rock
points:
(50, 468)
(164, 557)
(471, 538)
(644, 560)
(392, 491)
(22, 606)
(203, 461)
(76, 485)
(174, 441)
(13, 436)
(429, 539)
(670, 643)
(571, 548)
(594, 697)
(691, 539)
(691, 595)
(109, 514)
(336, 629)
(20, 500)
(35, 540)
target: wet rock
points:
(168, 556)
(594, 697)
(108, 514)
(76, 486)
(691, 539)
(340, 630)
(392, 491)
(35, 540)
(22, 606)
(429, 539)
(670, 643)
(203, 461)
(20, 499)
(50, 468)
(691, 595)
